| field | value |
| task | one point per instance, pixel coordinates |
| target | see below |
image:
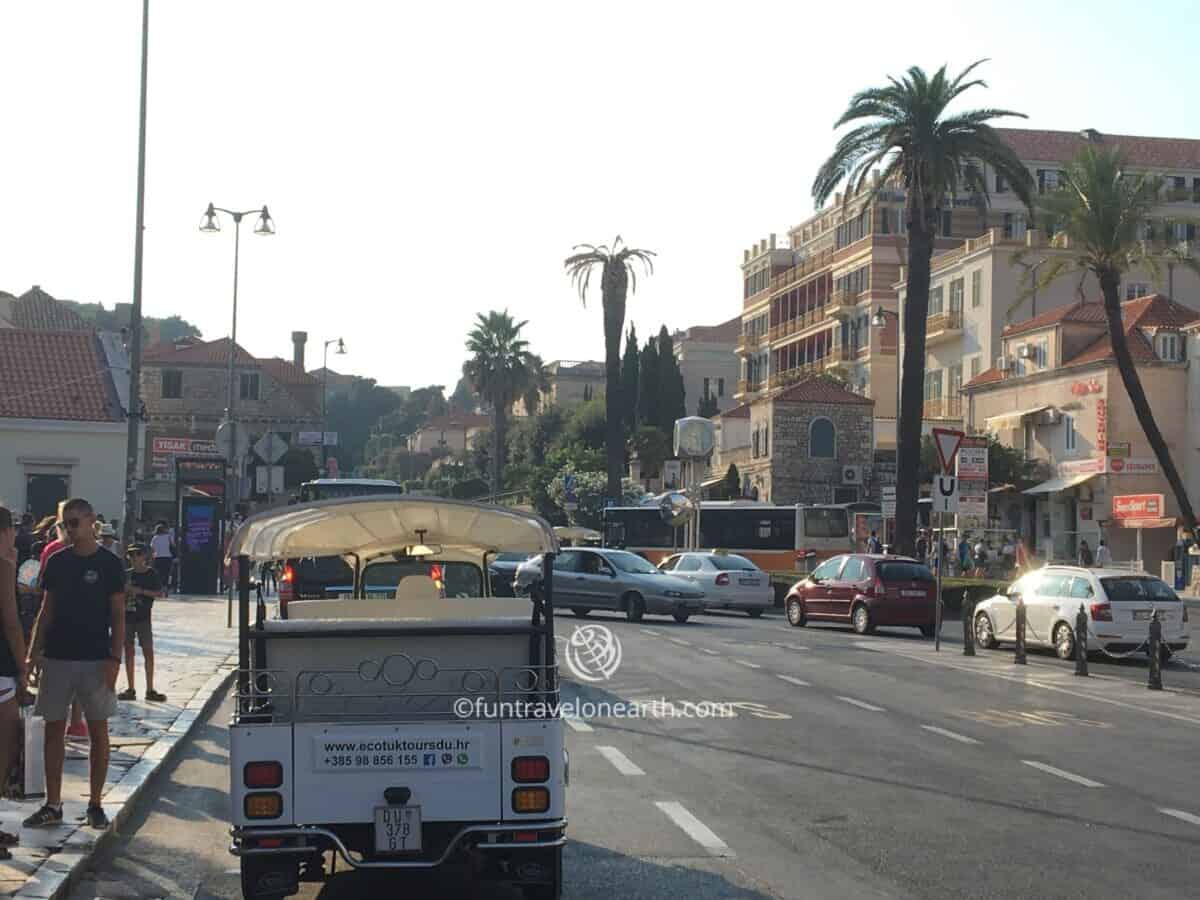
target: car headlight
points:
(678, 594)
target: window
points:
(955, 380)
(1047, 180)
(956, 295)
(766, 439)
(933, 384)
(731, 562)
(845, 494)
(947, 222)
(668, 564)
(248, 389)
(688, 564)
(826, 521)
(822, 439)
(172, 384)
(853, 570)
(976, 288)
(975, 364)
(1014, 226)
(829, 568)
(1069, 436)
(1170, 346)
(1081, 589)
(1042, 352)
(1135, 289)
(1001, 184)
(720, 387)
(936, 301)
(1029, 450)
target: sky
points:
(428, 162)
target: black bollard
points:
(1081, 620)
(968, 619)
(1155, 683)
(1019, 649)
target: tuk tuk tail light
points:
(287, 589)
(263, 805)
(267, 774)
(531, 800)
(530, 769)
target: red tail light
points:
(878, 588)
(530, 769)
(1101, 612)
(723, 579)
(287, 589)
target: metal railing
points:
(942, 408)
(943, 321)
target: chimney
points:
(299, 339)
(772, 241)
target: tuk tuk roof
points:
(368, 526)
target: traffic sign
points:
(888, 501)
(224, 441)
(945, 494)
(270, 447)
(947, 441)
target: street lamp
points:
(340, 351)
(211, 224)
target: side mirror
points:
(815, 579)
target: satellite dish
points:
(676, 508)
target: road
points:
(854, 768)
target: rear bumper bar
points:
(320, 839)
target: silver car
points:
(728, 580)
(614, 580)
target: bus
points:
(774, 538)
(329, 488)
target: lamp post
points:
(341, 351)
(265, 226)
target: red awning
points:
(1169, 522)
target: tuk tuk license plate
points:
(397, 829)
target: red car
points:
(867, 590)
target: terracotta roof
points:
(818, 389)
(55, 375)
(1036, 145)
(736, 412)
(725, 333)
(1090, 313)
(987, 376)
(36, 310)
(196, 353)
(466, 420)
(285, 372)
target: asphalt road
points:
(846, 768)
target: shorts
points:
(141, 629)
(162, 565)
(82, 680)
(8, 688)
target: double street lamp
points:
(265, 226)
(341, 351)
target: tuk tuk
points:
(412, 721)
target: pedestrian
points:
(12, 658)
(143, 585)
(57, 539)
(266, 576)
(922, 546)
(75, 653)
(1022, 555)
(108, 539)
(874, 545)
(964, 554)
(1103, 555)
(163, 550)
(981, 558)
(24, 539)
(1085, 555)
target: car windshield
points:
(630, 562)
(1138, 589)
(511, 557)
(461, 579)
(903, 571)
(731, 562)
(324, 570)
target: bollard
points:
(1155, 683)
(968, 619)
(1019, 648)
(1081, 620)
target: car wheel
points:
(985, 635)
(681, 617)
(754, 613)
(927, 630)
(1064, 641)
(635, 607)
(861, 619)
(795, 613)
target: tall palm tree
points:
(499, 369)
(618, 275)
(1101, 209)
(933, 155)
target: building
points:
(449, 434)
(731, 444)
(335, 383)
(1058, 395)
(569, 383)
(36, 310)
(708, 362)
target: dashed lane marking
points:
(1070, 776)
(620, 761)
(953, 735)
(748, 665)
(1182, 816)
(695, 829)
(651, 632)
(709, 652)
(861, 704)
(680, 642)
(796, 681)
(578, 725)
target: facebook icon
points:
(430, 759)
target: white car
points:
(729, 581)
(1118, 605)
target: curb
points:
(59, 872)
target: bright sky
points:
(428, 161)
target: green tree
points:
(538, 383)
(587, 424)
(353, 415)
(629, 381)
(708, 407)
(1008, 465)
(591, 489)
(647, 402)
(463, 399)
(298, 467)
(933, 155)
(652, 447)
(672, 403)
(499, 369)
(618, 267)
(732, 485)
(1101, 207)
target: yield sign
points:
(947, 441)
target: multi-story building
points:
(571, 382)
(708, 363)
(448, 434)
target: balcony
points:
(943, 327)
(943, 408)
(839, 357)
(748, 342)
(841, 303)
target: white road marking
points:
(578, 725)
(650, 632)
(1181, 815)
(791, 647)
(1070, 776)
(695, 829)
(748, 665)
(620, 761)
(953, 735)
(709, 652)
(861, 705)
(796, 681)
(680, 642)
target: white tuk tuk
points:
(408, 723)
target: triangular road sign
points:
(947, 441)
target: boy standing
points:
(143, 585)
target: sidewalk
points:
(194, 659)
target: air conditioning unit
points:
(852, 474)
(1002, 363)
(1025, 351)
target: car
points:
(312, 578)
(617, 580)
(1118, 604)
(728, 580)
(866, 590)
(502, 569)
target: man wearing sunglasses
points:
(75, 653)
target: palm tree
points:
(538, 384)
(499, 370)
(909, 135)
(618, 275)
(1101, 208)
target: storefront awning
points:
(1169, 522)
(1012, 420)
(1054, 485)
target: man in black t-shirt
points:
(75, 653)
(144, 584)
